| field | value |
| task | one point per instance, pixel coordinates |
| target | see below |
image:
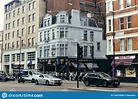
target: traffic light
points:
(12, 66)
(79, 51)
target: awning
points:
(89, 65)
(122, 61)
(135, 61)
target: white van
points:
(29, 75)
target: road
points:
(66, 86)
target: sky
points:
(2, 3)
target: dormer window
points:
(47, 22)
(62, 18)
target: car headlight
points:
(108, 79)
(51, 80)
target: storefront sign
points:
(124, 57)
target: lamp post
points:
(20, 55)
(113, 34)
(92, 54)
(113, 47)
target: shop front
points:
(125, 68)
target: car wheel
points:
(36, 82)
(87, 83)
(18, 81)
(47, 82)
(23, 81)
(105, 84)
(115, 85)
(33, 80)
(59, 84)
(5, 80)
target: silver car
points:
(48, 80)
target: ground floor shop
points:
(13, 61)
(125, 68)
(65, 64)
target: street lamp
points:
(113, 34)
(92, 54)
(20, 55)
(113, 47)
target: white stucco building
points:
(58, 37)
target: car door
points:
(96, 79)
(41, 79)
(30, 75)
(91, 78)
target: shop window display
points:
(125, 71)
(130, 72)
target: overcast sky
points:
(2, 3)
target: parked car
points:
(10, 78)
(28, 75)
(3, 76)
(100, 78)
(48, 80)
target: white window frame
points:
(129, 22)
(121, 44)
(33, 29)
(121, 23)
(121, 4)
(108, 8)
(62, 18)
(34, 4)
(33, 41)
(29, 42)
(30, 6)
(109, 45)
(85, 35)
(128, 3)
(109, 25)
(33, 17)
(129, 44)
(18, 22)
(23, 20)
(18, 11)
(23, 9)
(91, 36)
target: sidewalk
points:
(121, 83)
(97, 89)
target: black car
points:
(3, 76)
(100, 78)
(10, 78)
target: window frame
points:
(122, 43)
(121, 23)
(129, 22)
(129, 44)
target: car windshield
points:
(48, 76)
(2, 72)
(104, 74)
(24, 72)
(37, 73)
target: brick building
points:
(122, 28)
(95, 7)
